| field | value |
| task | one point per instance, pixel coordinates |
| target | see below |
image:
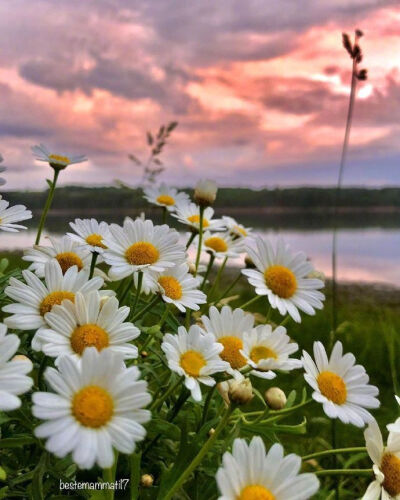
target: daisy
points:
(87, 322)
(13, 372)
(189, 213)
(97, 405)
(89, 234)
(228, 328)
(236, 229)
(10, 215)
(266, 349)
(386, 460)
(340, 385)
(194, 355)
(34, 298)
(139, 245)
(222, 245)
(164, 196)
(282, 276)
(66, 251)
(177, 286)
(249, 473)
(56, 160)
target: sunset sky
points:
(259, 89)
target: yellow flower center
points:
(195, 219)
(59, 159)
(240, 230)
(69, 259)
(172, 287)
(390, 466)
(89, 335)
(332, 387)
(192, 362)
(141, 253)
(165, 199)
(96, 240)
(231, 352)
(216, 243)
(255, 492)
(53, 299)
(92, 406)
(281, 281)
(261, 352)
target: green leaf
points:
(37, 480)
(17, 442)
(168, 429)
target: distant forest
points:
(73, 198)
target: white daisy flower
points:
(177, 286)
(13, 372)
(66, 251)
(189, 213)
(87, 322)
(195, 356)
(97, 406)
(340, 385)
(140, 245)
(56, 160)
(235, 228)
(10, 215)
(221, 245)
(89, 234)
(266, 349)
(249, 473)
(228, 328)
(386, 460)
(282, 276)
(164, 196)
(34, 298)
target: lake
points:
(365, 254)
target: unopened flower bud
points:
(236, 391)
(144, 354)
(20, 357)
(249, 262)
(211, 432)
(146, 480)
(275, 398)
(205, 192)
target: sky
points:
(260, 89)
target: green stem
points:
(344, 472)
(218, 277)
(338, 451)
(199, 457)
(109, 477)
(138, 289)
(207, 405)
(200, 240)
(227, 290)
(250, 301)
(164, 215)
(190, 240)
(210, 264)
(47, 206)
(284, 321)
(93, 264)
(149, 306)
(125, 292)
(165, 315)
(135, 461)
(159, 402)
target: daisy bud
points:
(144, 354)
(211, 432)
(235, 391)
(275, 398)
(146, 480)
(249, 262)
(20, 357)
(205, 192)
(192, 267)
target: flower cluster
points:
(129, 316)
